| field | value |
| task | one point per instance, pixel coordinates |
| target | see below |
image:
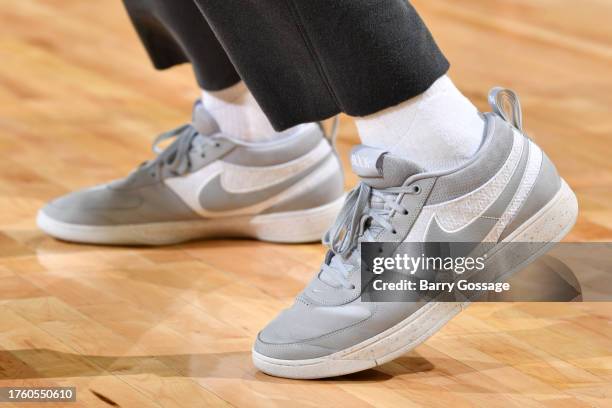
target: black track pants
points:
(303, 60)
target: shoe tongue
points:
(203, 121)
(381, 169)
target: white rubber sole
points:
(287, 227)
(550, 224)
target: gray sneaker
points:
(509, 192)
(207, 184)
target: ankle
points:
(238, 114)
(439, 129)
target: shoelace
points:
(358, 218)
(176, 157)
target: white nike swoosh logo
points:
(238, 179)
(455, 215)
(243, 179)
(478, 229)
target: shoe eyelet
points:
(352, 287)
(217, 144)
(416, 189)
(394, 232)
(405, 212)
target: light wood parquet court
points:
(171, 327)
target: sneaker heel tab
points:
(506, 103)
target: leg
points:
(174, 32)
(309, 60)
(375, 58)
(281, 186)
(312, 59)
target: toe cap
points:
(290, 351)
(94, 206)
(305, 331)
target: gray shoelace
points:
(365, 211)
(176, 157)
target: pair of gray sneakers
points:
(207, 184)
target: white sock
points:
(439, 129)
(238, 113)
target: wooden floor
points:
(173, 327)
